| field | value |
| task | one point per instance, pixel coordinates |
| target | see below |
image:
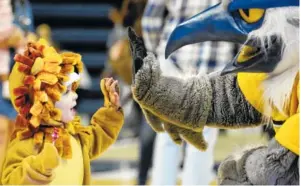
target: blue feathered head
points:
(268, 30)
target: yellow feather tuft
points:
(62, 77)
(45, 114)
(71, 58)
(37, 84)
(53, 58)
(36, 109)
(35, 121)
(48, 78)
(56, 114)
(80, 66)
(52, 68)
(42, 96)
(37, 66)
(67, 69)
(42, 42)
(53, 93)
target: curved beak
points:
(220, 23)
(263, 4)
(214, 24)
(256, 59)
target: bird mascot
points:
(259, 86)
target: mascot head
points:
(267, 29)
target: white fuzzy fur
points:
(278, 86)
(240, 151)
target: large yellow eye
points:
(251, 15)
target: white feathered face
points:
(277, 39)
(272, 46)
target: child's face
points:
(67, 104)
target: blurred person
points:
(23, 15)
(120, 64)
(188, 61)
(16, 28)
(6, 129)
(11, 36)
(44, 31)
(23, 18)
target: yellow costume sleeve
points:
(22, 166)
(288, 134)
(105, 126)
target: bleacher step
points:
(71, 10)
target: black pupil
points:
(76, 70)
(246, 11)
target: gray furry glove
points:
(182, 105)
(272, 165)
(176, 133)
(153, 121)
(182, 102)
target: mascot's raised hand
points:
(161, 104)
(138, 50)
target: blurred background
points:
(96, 30)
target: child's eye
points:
(67, 92)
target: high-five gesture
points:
(138, 50)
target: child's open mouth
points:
(73, 110)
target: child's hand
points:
(47, 159)
(110, 89)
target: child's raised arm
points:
(106, 122)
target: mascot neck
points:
(278, 89)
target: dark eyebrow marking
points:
(246, 11)
(293, 21)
